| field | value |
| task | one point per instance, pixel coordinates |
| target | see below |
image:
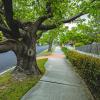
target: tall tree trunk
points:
(26, 57)
(50, 47)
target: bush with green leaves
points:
(79, 44)
(88, 67)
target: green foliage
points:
(48, 37)
(41, 63)
(28, 10)
(44, 39)
(45, 53)
(11, 89)
(95, 10)
(91, 29)
(31, 9)
(84, 33)
(79, 44)
(88, 67)
(75, 35)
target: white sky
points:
(73, 24)
(70, 25)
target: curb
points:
(7, 70)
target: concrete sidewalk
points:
(60, 82)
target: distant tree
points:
(48, 38)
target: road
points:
(8, 59)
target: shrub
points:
(87, 66)
(79, 44)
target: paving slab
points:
(58, 70)
(60, 82)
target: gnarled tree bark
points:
(26, 57)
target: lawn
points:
(14, 90)
(45, 53)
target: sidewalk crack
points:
(74, 85)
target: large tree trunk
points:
(26, 57)
(50, 47)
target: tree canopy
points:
(23, 22)
(63, 11)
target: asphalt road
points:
(8, 59)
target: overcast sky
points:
(73, 24)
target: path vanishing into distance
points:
(8, 59)
(60, 82)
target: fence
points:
(93, 48)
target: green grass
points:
(14, 90)
(45, 53)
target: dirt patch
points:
(52, 56)
(2, 87)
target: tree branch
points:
(8, 12)
(46, 16)
(13, 25)
(39, 34)
(5, 30)
(73, 18)
(42, 19)
(49, 27)
(1, 12)
(1, 9)
(7, 46)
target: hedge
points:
(88, 67)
